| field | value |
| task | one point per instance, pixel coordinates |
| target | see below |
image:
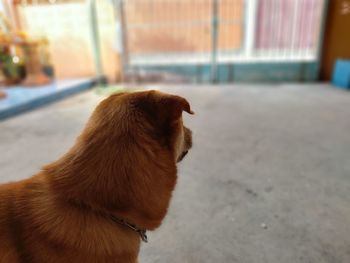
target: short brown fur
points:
(122, 164)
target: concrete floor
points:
(268, 179)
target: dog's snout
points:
(187, 143)
(188, 138)
(183, 154)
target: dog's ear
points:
(162, 109)
(172, 106)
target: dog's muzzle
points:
(183, 154)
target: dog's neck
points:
(92, 177)
(139, 231)
(106, 215)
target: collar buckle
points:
(143, 235)
(141, 232)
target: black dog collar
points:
(141, 232)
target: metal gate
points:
(181, 36)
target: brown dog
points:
(95, 203)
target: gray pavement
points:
(268, 179)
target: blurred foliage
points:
(106, 90)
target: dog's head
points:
(143, 117)
(164, 114)
(125, 159)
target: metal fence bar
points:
(250, 26)
(214, 41)
(95, 38)
(122, 37)
(295, 27)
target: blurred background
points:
(269, 176)
(218, 41)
